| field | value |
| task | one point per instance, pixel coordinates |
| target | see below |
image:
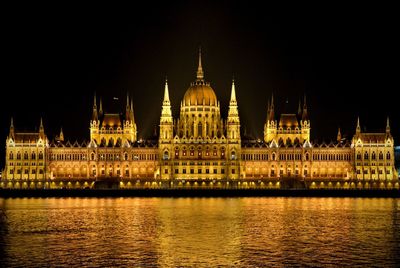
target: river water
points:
(199, 232)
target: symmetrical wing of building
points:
(199, 149)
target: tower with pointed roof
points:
(292, 128)
(233, 136)
(113, 129)
(165, 139)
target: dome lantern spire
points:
(233, 93)
(166, 93)
(200, 73)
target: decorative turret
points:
(131, 112)
(95, 116)
(233, 121)
(339, 136)
(200, 74)
(299, 110)
(166, 121)
(61, 137)
(101, 108)
(304, 116)
(358, 128)
(387, 126)
(271, 112)
(127, 110)
(11, 134)
(41, 129)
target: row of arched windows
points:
(25, 156)
(296, 156)
(373, 156)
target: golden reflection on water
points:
(175, 232)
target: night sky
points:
(344, 58)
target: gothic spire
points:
(387, 126)
(166, 93)
(271, 112)
(61, 137)
(358, 128)
(233, 92)
(305, 113)
(299, 109)
(41, 128)
(94, 114)
(101, 108)
(339, 135)
(11, 134)
(200, 74)
(127, 100)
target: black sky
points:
(345, 58)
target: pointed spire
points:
(127, 100)
(272, 101)
(166, 93)
(339, 135)
(94, 101)
(200, 74)
(11, 134)
(358, 128)
(233, 91)
(41, 128)
(387, 126)
(271, 115)
(61, 137)
(299, 109)
(131, 112)
(94, 113)
(304, 116)
(101, 107)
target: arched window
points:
(25, 156)
(199, 129)
(288, 141)
(273, 156)
(307, 156)
(40, 155)
(125, 156)
(280, 142)
(365, 156)
(358, 156)
(233, 155)
(380, 156)
(373, 157)
(166, 155)
(387, 156)
(33, 156)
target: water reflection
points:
(175, 232)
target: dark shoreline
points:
(11, 193)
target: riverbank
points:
(197, 193)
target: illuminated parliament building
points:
(199, 149)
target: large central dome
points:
(200, 92)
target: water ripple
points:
(200, 232)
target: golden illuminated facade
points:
(199, 149)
